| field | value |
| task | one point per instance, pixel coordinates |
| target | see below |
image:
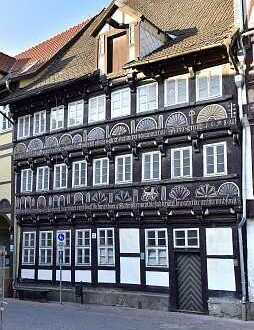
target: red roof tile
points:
(34, 58)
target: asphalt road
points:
(26, 315)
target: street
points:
(26, 315)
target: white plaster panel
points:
(130, 270)
(157, 278)
(45, 274)
(250, 240)
(106, 276)
(219, 241)
(129, 240)
(221, 274)
(27, 274)
(83, 276)
(66, 275)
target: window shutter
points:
(104, 171)
(202, 88)
(181, 90)
(156, 166)
(215, 85)
(29, 180)
(186, 162)
(171, 92)
(147, 167)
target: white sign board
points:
(61, 239)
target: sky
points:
(25, 23)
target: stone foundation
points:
(225, 307)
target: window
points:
(39, 122)
(23, 127)
(181, 162)
(215, 159)
(75, 113)
(176, 90)
(60, 176)
(26, 180)
(209, 83)
(5, 124)
(79, 174)
(45, 247)
(106, 247)
(121, 103)
(100, 171)
(123, 169)
(147, 97)
(132, 34)
(28, 248)
(151, 166)
(83, 247)
(186, 238)
(67, 248)
(57, 118)
(156, 247)
(97, 109)
(42, 181)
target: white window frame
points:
(124, 172)
(106, 247)
(186, 245)
(121, 91)
(173, 176)
(29, 248)
(56, 111)
(176, 79)
(76, 103)
(73, 174)
(42, 130)
(6, 111)
(157, 97)
(151, 166)
(98, 119)
(94, 162)
(64, 263)
(61, 170)
(224, 143)
(83, 247)
(157, 247)
(23, 136)
(43, 178)
(208, 73)
(47, 248)
(27, 189)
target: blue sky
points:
(24, 23)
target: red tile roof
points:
(34, 58)
(6, 62)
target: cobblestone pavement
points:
(26, 315)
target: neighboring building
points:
(129, 142)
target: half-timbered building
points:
(129, 141)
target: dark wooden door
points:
(189, 282)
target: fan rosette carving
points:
(150, 194)
(51, 142)
(122, 196)
(78, 199)
(211, 112)
(120, 129)
(96, 133)
(206, 191)
(229, 189)
(77, 139)
(176, 119)
(100, 198)
(179, 193)
(146, 124)
(66, 140)
(20, 148)
(41, 202)
(35, 145)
